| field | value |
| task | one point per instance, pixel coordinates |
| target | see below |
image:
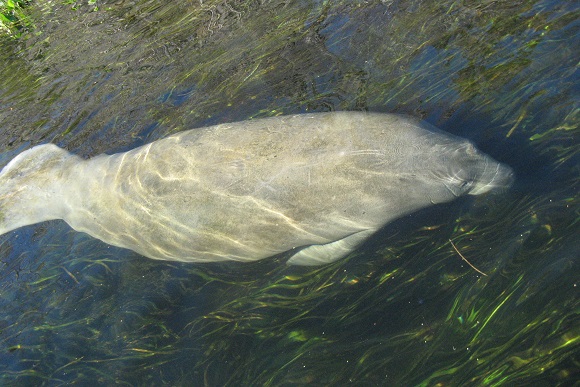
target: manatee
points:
(316, 185)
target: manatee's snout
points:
(494, 176)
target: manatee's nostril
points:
(505, 176)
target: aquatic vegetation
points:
(415, 303)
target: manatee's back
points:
(245, 190)
(312, 170)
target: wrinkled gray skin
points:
(249, 190)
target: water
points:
(405, 309)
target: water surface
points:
(106, 76)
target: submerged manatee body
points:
(249, 190)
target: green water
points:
(98, 76)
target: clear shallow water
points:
(405, 309)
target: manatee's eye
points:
(465, 184)
(470, 149)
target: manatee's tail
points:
(31, 186)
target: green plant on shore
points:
(13, 18)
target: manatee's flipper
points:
(329, 252)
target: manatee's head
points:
(443, 167)
(490, 175)
(464, 170)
